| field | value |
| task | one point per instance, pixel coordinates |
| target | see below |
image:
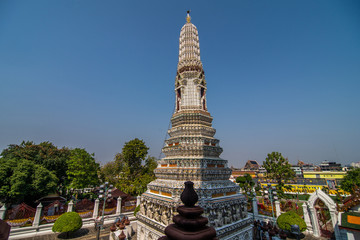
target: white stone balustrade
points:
(96, 208)
(118, 206)
(277, 208)
(37, 217)
(2, 212)
(138, 200)
(70, 206)
(24, 232)
(255, 207)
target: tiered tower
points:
(192, 154)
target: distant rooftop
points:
(251, 165)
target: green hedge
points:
(287, 219)
(68, 222)
(304, 197)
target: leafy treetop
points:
(133, 153)
(351, 181)
(82, 169)
(279, 169)
(131, 169)
(45, 154)
(246, 183)
(24, 180)
(29, 171)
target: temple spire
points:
(189, 47)
(190, 84)
(192, 153)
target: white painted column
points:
(255, 207)
(2, 212)
(118, 206)
(96, 208)
(70, 206)
(334, 220)
(138, 201)
(307, 218)
(277, 208)
(37, 217)
(315, 223)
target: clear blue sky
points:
(282, 75)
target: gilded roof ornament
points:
(188, 18)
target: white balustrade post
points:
(277, 208)
(37, 217)
(70, 206)
(138, 200)
(2, 212)
(307, 218)
(96, 208)
(255, 207)
(118, 206)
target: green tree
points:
(246, 183)
(109, 173)
(131, 169)
(279, 169)
(82, 169)
(150, 165)
(136, 183)
(23, 180)
(45, 154)
(351, 181)
(6, 171)
(134, 153)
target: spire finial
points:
(188, 18)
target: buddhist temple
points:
(193, 154)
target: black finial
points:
(189, 197)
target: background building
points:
(330, 166)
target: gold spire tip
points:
(188, 18)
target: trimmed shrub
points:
(68, 222)
(287, 219)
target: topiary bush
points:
(287, 219)
(68, 222)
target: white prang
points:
(192, 153)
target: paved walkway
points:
(90, 234)
(82, 234)
(306, 237)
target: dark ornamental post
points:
(189, 224)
